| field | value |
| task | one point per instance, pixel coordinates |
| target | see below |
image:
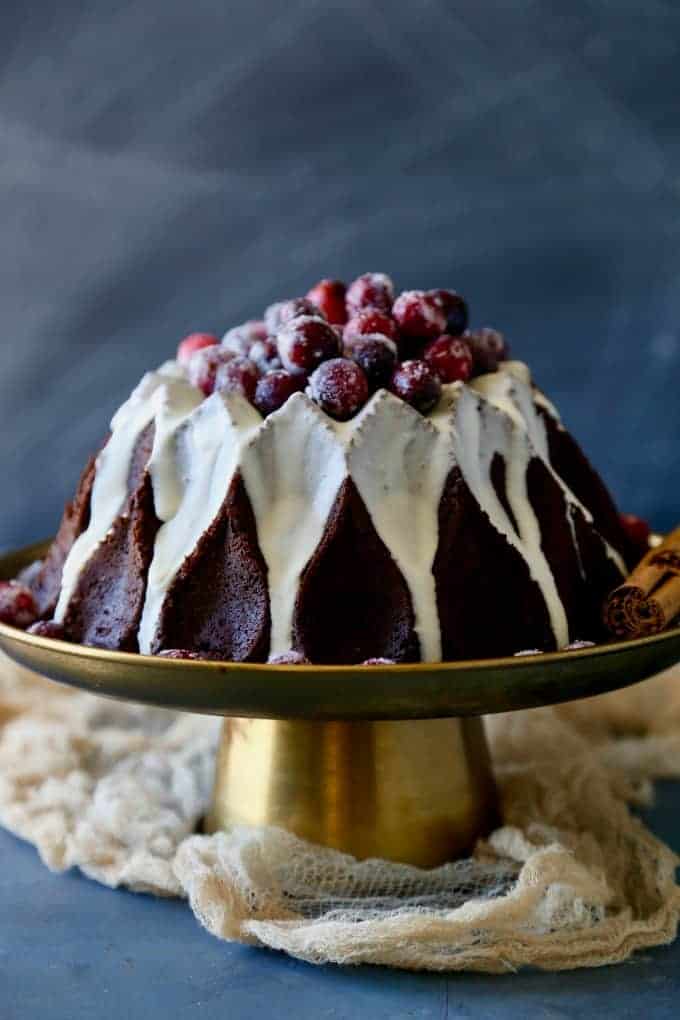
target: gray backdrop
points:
(169, 166)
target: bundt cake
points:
(353, 478)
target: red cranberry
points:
(370, 321)
(192, 343)
(329, 298)
(454, 308)
(340, 388)
(417, 385)
(290, 658)
(17, 605)
(450, 357)
(488, 348)
(279, 314)
(178, 653)
(305, 342)
(240, 339)
(419, 315)
(202, 368)
(637, 530)
(274, 389)
(48, 629)
(239, 375)
(265, 354)
(376, 355)
(372, 290)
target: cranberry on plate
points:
(178, 653)
(340, 388)
(417, 385)
(48, 629)
(17, 605)
(638, 532)
(274, 389)
(305, 342)
(290, 658)
(371, 290)
(329, 297)
(192, 343)
(450, 357)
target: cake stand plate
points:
(378, 761)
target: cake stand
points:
(377, 761)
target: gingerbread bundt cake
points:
(352, 478)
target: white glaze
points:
(293, 466)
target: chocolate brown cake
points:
(352, 478)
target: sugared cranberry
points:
(370, 321)
(178, 653)
(305, 342)
(203, 367)
(17, 605)
(378, 662)
(450, 357)
(274, 389)
(340, 388)
(192, 343)
(265, 354)
(638, 532)
(372, 290)
(48, 629)
(416, 384)
(290, 658)
(240, 339)
(279, 314)
(576, 646)
(419, 315)
(329, 298)
(376, 355)
(239, 375)
(454, 308)
(488, 348)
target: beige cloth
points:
(572, 879)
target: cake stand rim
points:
(396, 696)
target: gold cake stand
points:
(378, 761)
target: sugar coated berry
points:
(450, 357)
(48, 629)
(192, 343)
(238, 375)
(376, 355)
(576, 646)
(279, 314)
(290, 658)
(17, 606)
(416, 384)
(240, 339)
(329, 297)
(488, 348)
(305, 342)
(274, 389)
(454, 308)
(370, 321)
(178, 653)
(203, 367)
(637, 530)
(372, 290)
(340, 388)
(419, 315)
(378, 662)
(265, 354)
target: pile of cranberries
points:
(340, 344)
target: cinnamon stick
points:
(650, 599)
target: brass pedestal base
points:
(416, 791)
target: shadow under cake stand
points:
(377, 761)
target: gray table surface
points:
(74, 950)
